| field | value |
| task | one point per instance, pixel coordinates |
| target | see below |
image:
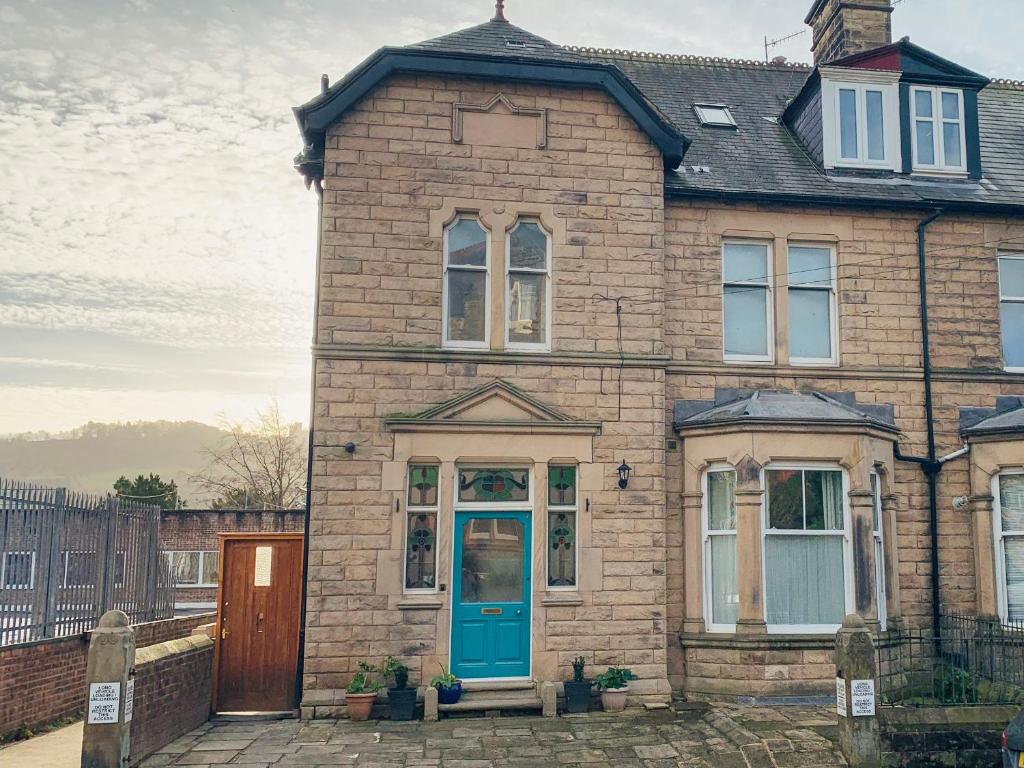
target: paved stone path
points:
(727, 737)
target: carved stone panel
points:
(499, 123)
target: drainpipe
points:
(930, 465)
(309, 451)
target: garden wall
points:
(946, 737)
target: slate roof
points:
(1006, 418)
(780, 407)
(762, 158)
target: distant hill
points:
(92, 457)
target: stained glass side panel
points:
(561, 486)
(421, 550)
(562, 548)
(494, 485)
(422, 486)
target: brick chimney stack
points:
(844, 27)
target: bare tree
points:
(258, 464)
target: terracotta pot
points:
(359, 705)
(613, 699)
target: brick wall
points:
(45, 681)
(172, 692)
(197, 529)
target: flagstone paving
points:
(726, 737)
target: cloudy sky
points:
(156, 247)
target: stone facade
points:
(636, 325)
(842, 28)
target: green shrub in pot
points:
(577, 690)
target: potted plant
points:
(361, 693)
(614, 684)
(449, 687)
(402, 698)
(577, 690)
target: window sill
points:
(938, 173)
(774, 642)
(420, 603)
(561, 599)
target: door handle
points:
(224, 633)
(259, 621)
(519, 611)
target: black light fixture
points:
(624, 470)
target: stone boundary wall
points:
(956, 737)
(173, 683)
(44, 681)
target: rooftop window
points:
(714, 114)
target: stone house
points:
(624, 355)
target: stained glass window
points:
(421, 527)
(561, 526)
(421, 550)
(561, 486)
(422, 486)
(494, 485)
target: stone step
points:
(497, 685)
(493, 701)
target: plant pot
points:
(403, 703)
(577, 696)
(449, 695)
(359, 705)
(614, 699)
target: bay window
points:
(466, 305)
(421, 528)
(804, 549)
(937, 132)
(528, 286)
(721, 585)
(812, 305)
(746, 301)
(562, 527)
(1011, 310)
(1008, 493)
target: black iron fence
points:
(66, 558)
(970, 661)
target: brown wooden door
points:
(258, 617)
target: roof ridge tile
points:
(685, 58)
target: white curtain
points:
(804, 579)
(725, 593)
(1011, 513)
(832, 497)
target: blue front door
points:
(491, 595)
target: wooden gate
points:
(258, 622)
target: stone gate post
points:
(109, 693)
(856, 698)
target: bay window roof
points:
(1006, 418)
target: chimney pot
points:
(845, 27)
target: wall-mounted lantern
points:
(624, 470)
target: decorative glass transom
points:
(494, 485)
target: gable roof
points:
(1006, 418)
(760, 160)
(917, 63)
(766, 406)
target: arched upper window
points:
(528, 286)
(466, 304)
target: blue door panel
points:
(491, 622)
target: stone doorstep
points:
(496, 696)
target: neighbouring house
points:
(191, 549)
(624, 355)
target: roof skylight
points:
(714, 114)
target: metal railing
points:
(66, 558)
(971, 661)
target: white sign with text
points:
(841, 696)
(863, 694)
(104, 700)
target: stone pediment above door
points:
(494, 407)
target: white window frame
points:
(486, 269)
(199, 573)
(706, 534)
(833, 80)
(31, 575)
(1008, 299)
(575, 509)
(879, 538)
(768, 285)
(522, 346)
(1000, 536)
(938, 135)
(848, 586)
(833, 308)
(410, 510)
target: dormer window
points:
(938, 130)
(860, 118)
